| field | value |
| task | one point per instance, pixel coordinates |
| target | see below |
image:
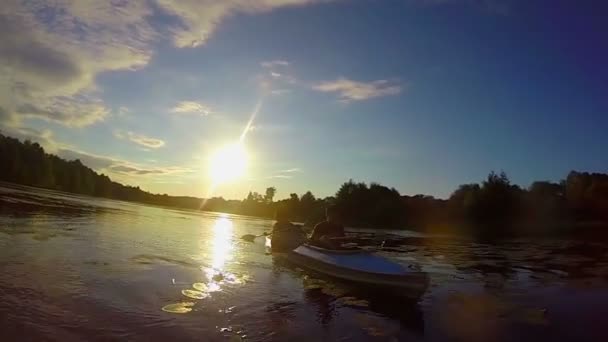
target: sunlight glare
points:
(228, 163)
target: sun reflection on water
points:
(222, 249)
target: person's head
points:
(332, 213)
(281, 215)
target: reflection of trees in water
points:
(327, 297)
(325, 305)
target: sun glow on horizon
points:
(228, 164)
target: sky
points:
(420, 95)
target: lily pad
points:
(179, 308)
(195, 294)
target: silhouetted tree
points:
(270, 192)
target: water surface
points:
(76, 268)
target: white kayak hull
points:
(362, 267)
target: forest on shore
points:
(494, 207)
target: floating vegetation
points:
(201, 287)
(211, 287)
(236, 279)
(179, 308)
(354, 302)
(313, 287)
(333, 291)
(194, 294)
(313, 284)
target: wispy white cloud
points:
(274, 63)
(285, 174)
(119, 166)
(198, 20)
(140, 139)
(191, 107)
(123, 111)
(279, 176)
(349, 90)
(280, 91)
(277, 77)
(69, 111)
(292, 170)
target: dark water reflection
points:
(76, 268)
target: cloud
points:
(51, 53)
(117, 166)
(191, 107)
(123, 112)
(280, 176)
(198, 20)
(65, 110)
(349, 90)
(140, 139)
(280, 91)
(285, 174)
(274, 63)
(276, 78)
(292, 170)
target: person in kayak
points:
(285, 235)
(329, 229)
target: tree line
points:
(493, 207)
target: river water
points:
(80, 268)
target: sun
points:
(228, 164)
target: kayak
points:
(362, 267)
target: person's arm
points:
(317, 232)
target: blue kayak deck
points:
(355, 261)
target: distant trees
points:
(270, 192)
(493, 207)
(587, 195)
(27, 163)
(369, 205)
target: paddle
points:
(251, 237)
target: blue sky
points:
(422, 95)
